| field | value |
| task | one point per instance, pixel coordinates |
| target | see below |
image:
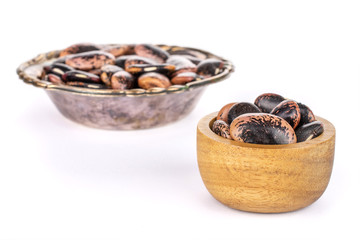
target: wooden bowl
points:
(264, 178)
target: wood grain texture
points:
(264, 178)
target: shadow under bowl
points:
(121, 110)
(264, 178)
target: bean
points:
(106, 73)
(262, 128)
(79, 48)
(288, 110)
(224, 111)
(90, 60)
(80, 76)
(241, 108)
(210, 67)
(151, 80)
(221, 128)
(306, 114)
(185, 77)
(267, 101)
(122, 80)
(151, 51)
(309, 131)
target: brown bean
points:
(80, 76)
(55, 79)
(151, 51)
(224, 111)
(107, 71)
(79, 48)
(134, 59)
(221, 128)
(182, 64)
(288, 110)
(241, 108)
(151, 80)
(90, 60)
(210, 67)
(119, 49)
(122, 80)
(185, 77)
(144, 68)
(267, 101)
(262, 128)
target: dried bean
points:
(151, 51)
(90, 60)
(80, 76)
(185, 77)
(262, 128)
(107, 71)
(122, 80)
(309, 131)
(288, 110)
(79, 48)
(267, 101)
(241, 108)
(224, 111)
(210, 67)
(144, 68)
(151, 80)
(221, 128)
(306, 114)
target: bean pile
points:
(272, 119)
(129, 66)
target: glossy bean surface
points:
(262, 128)
(288, 110)
(267, 101)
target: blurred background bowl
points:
(121, 110)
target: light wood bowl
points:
(264, 178)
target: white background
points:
(61, 180)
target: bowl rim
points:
(204, 128)
(52, 55)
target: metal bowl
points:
(121, 110)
